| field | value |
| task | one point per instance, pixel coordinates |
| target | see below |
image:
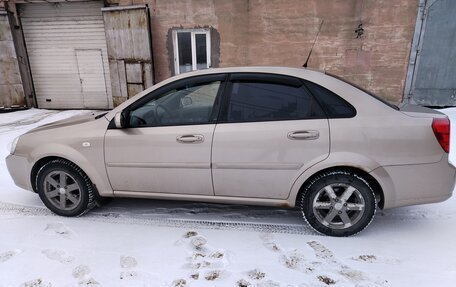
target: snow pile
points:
(160, 243)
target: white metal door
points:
(61, 39)
(91, 76)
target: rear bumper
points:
(18, 168)
(416, 184)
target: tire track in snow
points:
(109, 217)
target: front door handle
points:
(190, 139)
(303, 135)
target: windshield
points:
(366, 91)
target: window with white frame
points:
(192, 50)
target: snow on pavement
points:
(134, 242)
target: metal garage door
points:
(66, 46)
(431, 77)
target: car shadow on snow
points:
(200, 211)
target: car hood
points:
(79, 119)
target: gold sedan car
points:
(251, 135)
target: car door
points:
(271, 129)
(166, 147)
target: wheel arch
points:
(40, 163)
(375, 185)
(90, 161)
(36, 167)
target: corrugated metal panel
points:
(66, 46)
(431, 80)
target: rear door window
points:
(334, 106)
(264, 97)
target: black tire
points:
(102, 200)
(78, 187)
(326, 209)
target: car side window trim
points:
(174, 85)
(262, 78)
(307, 85)
(266, 78)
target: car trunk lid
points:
(420, 112)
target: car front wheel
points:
(338, 203)
(64, 188)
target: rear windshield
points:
(366, 91)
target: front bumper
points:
(18, 168)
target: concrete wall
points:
(11, 90)
(281, 32)
(271, 32)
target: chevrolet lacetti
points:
(270, 136)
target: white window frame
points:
(193, 32)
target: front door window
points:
(188, 104)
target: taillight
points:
(441, 128)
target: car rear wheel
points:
(338, 203)
(64, 188)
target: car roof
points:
(318, 77)
(299, 72)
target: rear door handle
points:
(303, 135)
(190, 139)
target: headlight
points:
(13, 145)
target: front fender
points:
(88, 160)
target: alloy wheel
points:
(62, 190)
(338, 206)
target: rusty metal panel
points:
(53, 34)
(134, 89)
(115, 82)
(122, 78)
(127, 31)
(9, 70)
(134, 73)
(22, 59)
(17, 95)
(434, 59)
(11, 90)
(148, 77)
(5, 31)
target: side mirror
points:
(119, 120)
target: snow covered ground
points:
(160, 243)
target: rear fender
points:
(337, 159)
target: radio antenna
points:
(315, 41)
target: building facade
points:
(96, 54)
